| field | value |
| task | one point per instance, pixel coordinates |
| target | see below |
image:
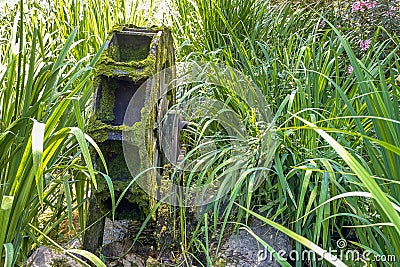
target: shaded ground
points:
(241, 249)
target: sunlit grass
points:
(48, 51)
(300, 61)
(335, 173)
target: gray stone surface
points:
(118, 245)
(242, 249)
(116, 231)
(47, 257)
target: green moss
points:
(135, 70)
(220, 262)
(151, 262)
(144, 64)
(120, 28)
(133, 51)
(99, 130)
(118, 170)
(59, 263)
(142, 61)
(135, 206)
(105, 111)
(137, 202)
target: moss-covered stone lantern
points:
(131, 55)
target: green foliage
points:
(48, 51)
(364, 17)
(336, 110)
(211, 28)
(319, 83)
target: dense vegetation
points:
(329, 72)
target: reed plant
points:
(334, 104)
(336, 111)
(48, 51)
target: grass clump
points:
(335, 105)
(48, 51)
(329, 76)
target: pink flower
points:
(390, 12)
(369, 4)
(362, 5)
(357, 6)
(350, 70)
(365, 44)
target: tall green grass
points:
(338, 131)
(48, 51)
(335, 172)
